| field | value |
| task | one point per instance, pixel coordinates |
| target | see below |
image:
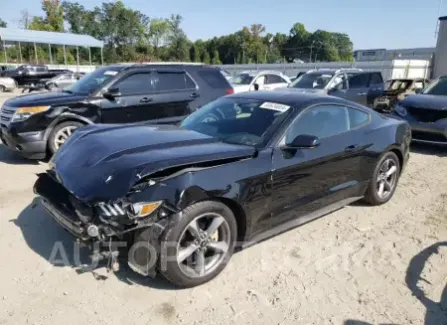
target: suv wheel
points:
(198, 246)
(60, 134)
(2, 89)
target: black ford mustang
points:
(240, 169)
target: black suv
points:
(37, 124)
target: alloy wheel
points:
(387, 178)
(62, 135)
(203, 245)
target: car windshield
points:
(238, 120)
(242, 79)
(399, 84)
(314, 80)
(91, 82)
(439, 87)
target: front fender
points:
(66, 116)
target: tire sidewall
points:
(376, 197)
(51, 146)
(2, 89)
(168, 263)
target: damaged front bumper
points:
(140, 238)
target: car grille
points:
(427, 115)
(111, 210)
(6, 114)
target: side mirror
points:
(303, 141)
(256, 87)
(112, 93)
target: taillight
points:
(229, 91)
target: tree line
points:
(129, 36)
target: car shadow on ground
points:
(428, 149)
(13, 158)
(49, 240)
(435, 312)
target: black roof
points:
(297, 100)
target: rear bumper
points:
(30, 145)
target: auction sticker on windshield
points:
(110, 73)
(275, 106)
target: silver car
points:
(63, 80)
(7, 84)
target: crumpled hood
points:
(102, 162)
(425, 101)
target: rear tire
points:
(60, 134)
(382, 187)
(2, 89)
(196, 248)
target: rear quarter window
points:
(213, 78)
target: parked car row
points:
(177, 160)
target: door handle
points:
(362, 94)
(145, 100)
(351, 147)
(195, 95)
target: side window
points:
(357, 118)
(418, 84)
(339, 82)
(274, 79)
(376, 78)
(321, 121)
(358, 80)
(214, 79)
(137, 83)
(260, 80)
(166, 81)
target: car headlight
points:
(143, 209)
(22, 113)
(401, 110)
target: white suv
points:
(263, 80)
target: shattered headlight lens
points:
(143, 209)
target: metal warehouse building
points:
(421, 53)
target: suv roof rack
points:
(162, 62)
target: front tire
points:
(196, 248)
(384, 180)
(60, 134)
(2, 89)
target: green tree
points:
(216, 59)
(179, 44)
(3, 23)
(159, 32)
(54, 14)
(206, 58)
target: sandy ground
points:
(358, 266)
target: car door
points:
(173, 91)
(259, 80)
(305, 180)
(274, 81)
(375, 88)
(358, 87)
(132, 101)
